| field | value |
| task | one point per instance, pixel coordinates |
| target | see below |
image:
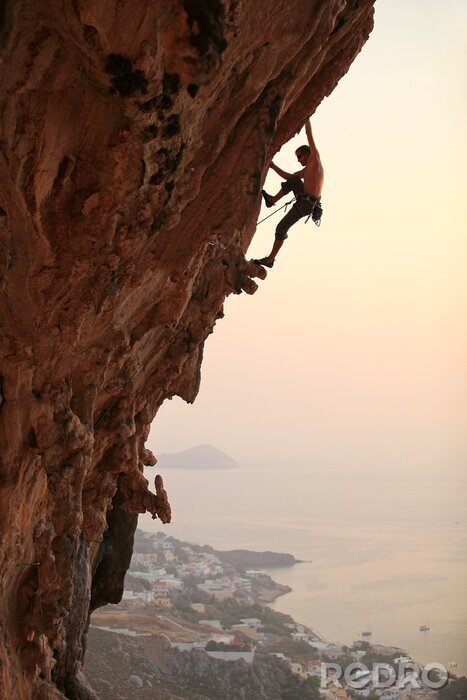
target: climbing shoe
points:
(267, 199)
(264, 262)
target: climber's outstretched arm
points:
(309, 135)
(281, 172)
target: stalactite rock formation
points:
(135, 138)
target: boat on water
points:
(424, 628)
(367, 633)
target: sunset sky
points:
(352, 353)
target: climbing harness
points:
(317, 213)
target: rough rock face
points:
(135, 137)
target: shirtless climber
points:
(307, 193)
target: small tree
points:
(296, 688)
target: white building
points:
(147, 596)
(242, 583)
(389, 694)
(251, 622)
(172, 583)
(187, 646)
(210, 557)
(147, 575)
(199, 608)
(300, 637)
(200, 568)
(138, 558)
(325, 647)
(247, 656)
(159, 588)
(218, 589)
(222, 638)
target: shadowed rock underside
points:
(135, 138)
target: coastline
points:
(270, 596)
(265, 590)
(191, 603)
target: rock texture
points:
(135, 137)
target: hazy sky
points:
(353, 351)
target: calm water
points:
(388, 552)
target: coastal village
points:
(182, 598)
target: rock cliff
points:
(135, 137)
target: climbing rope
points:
(284, 206)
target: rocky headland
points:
(246, 559)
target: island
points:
(198, 457)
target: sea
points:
(384, 553)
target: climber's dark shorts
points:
(303, 206)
